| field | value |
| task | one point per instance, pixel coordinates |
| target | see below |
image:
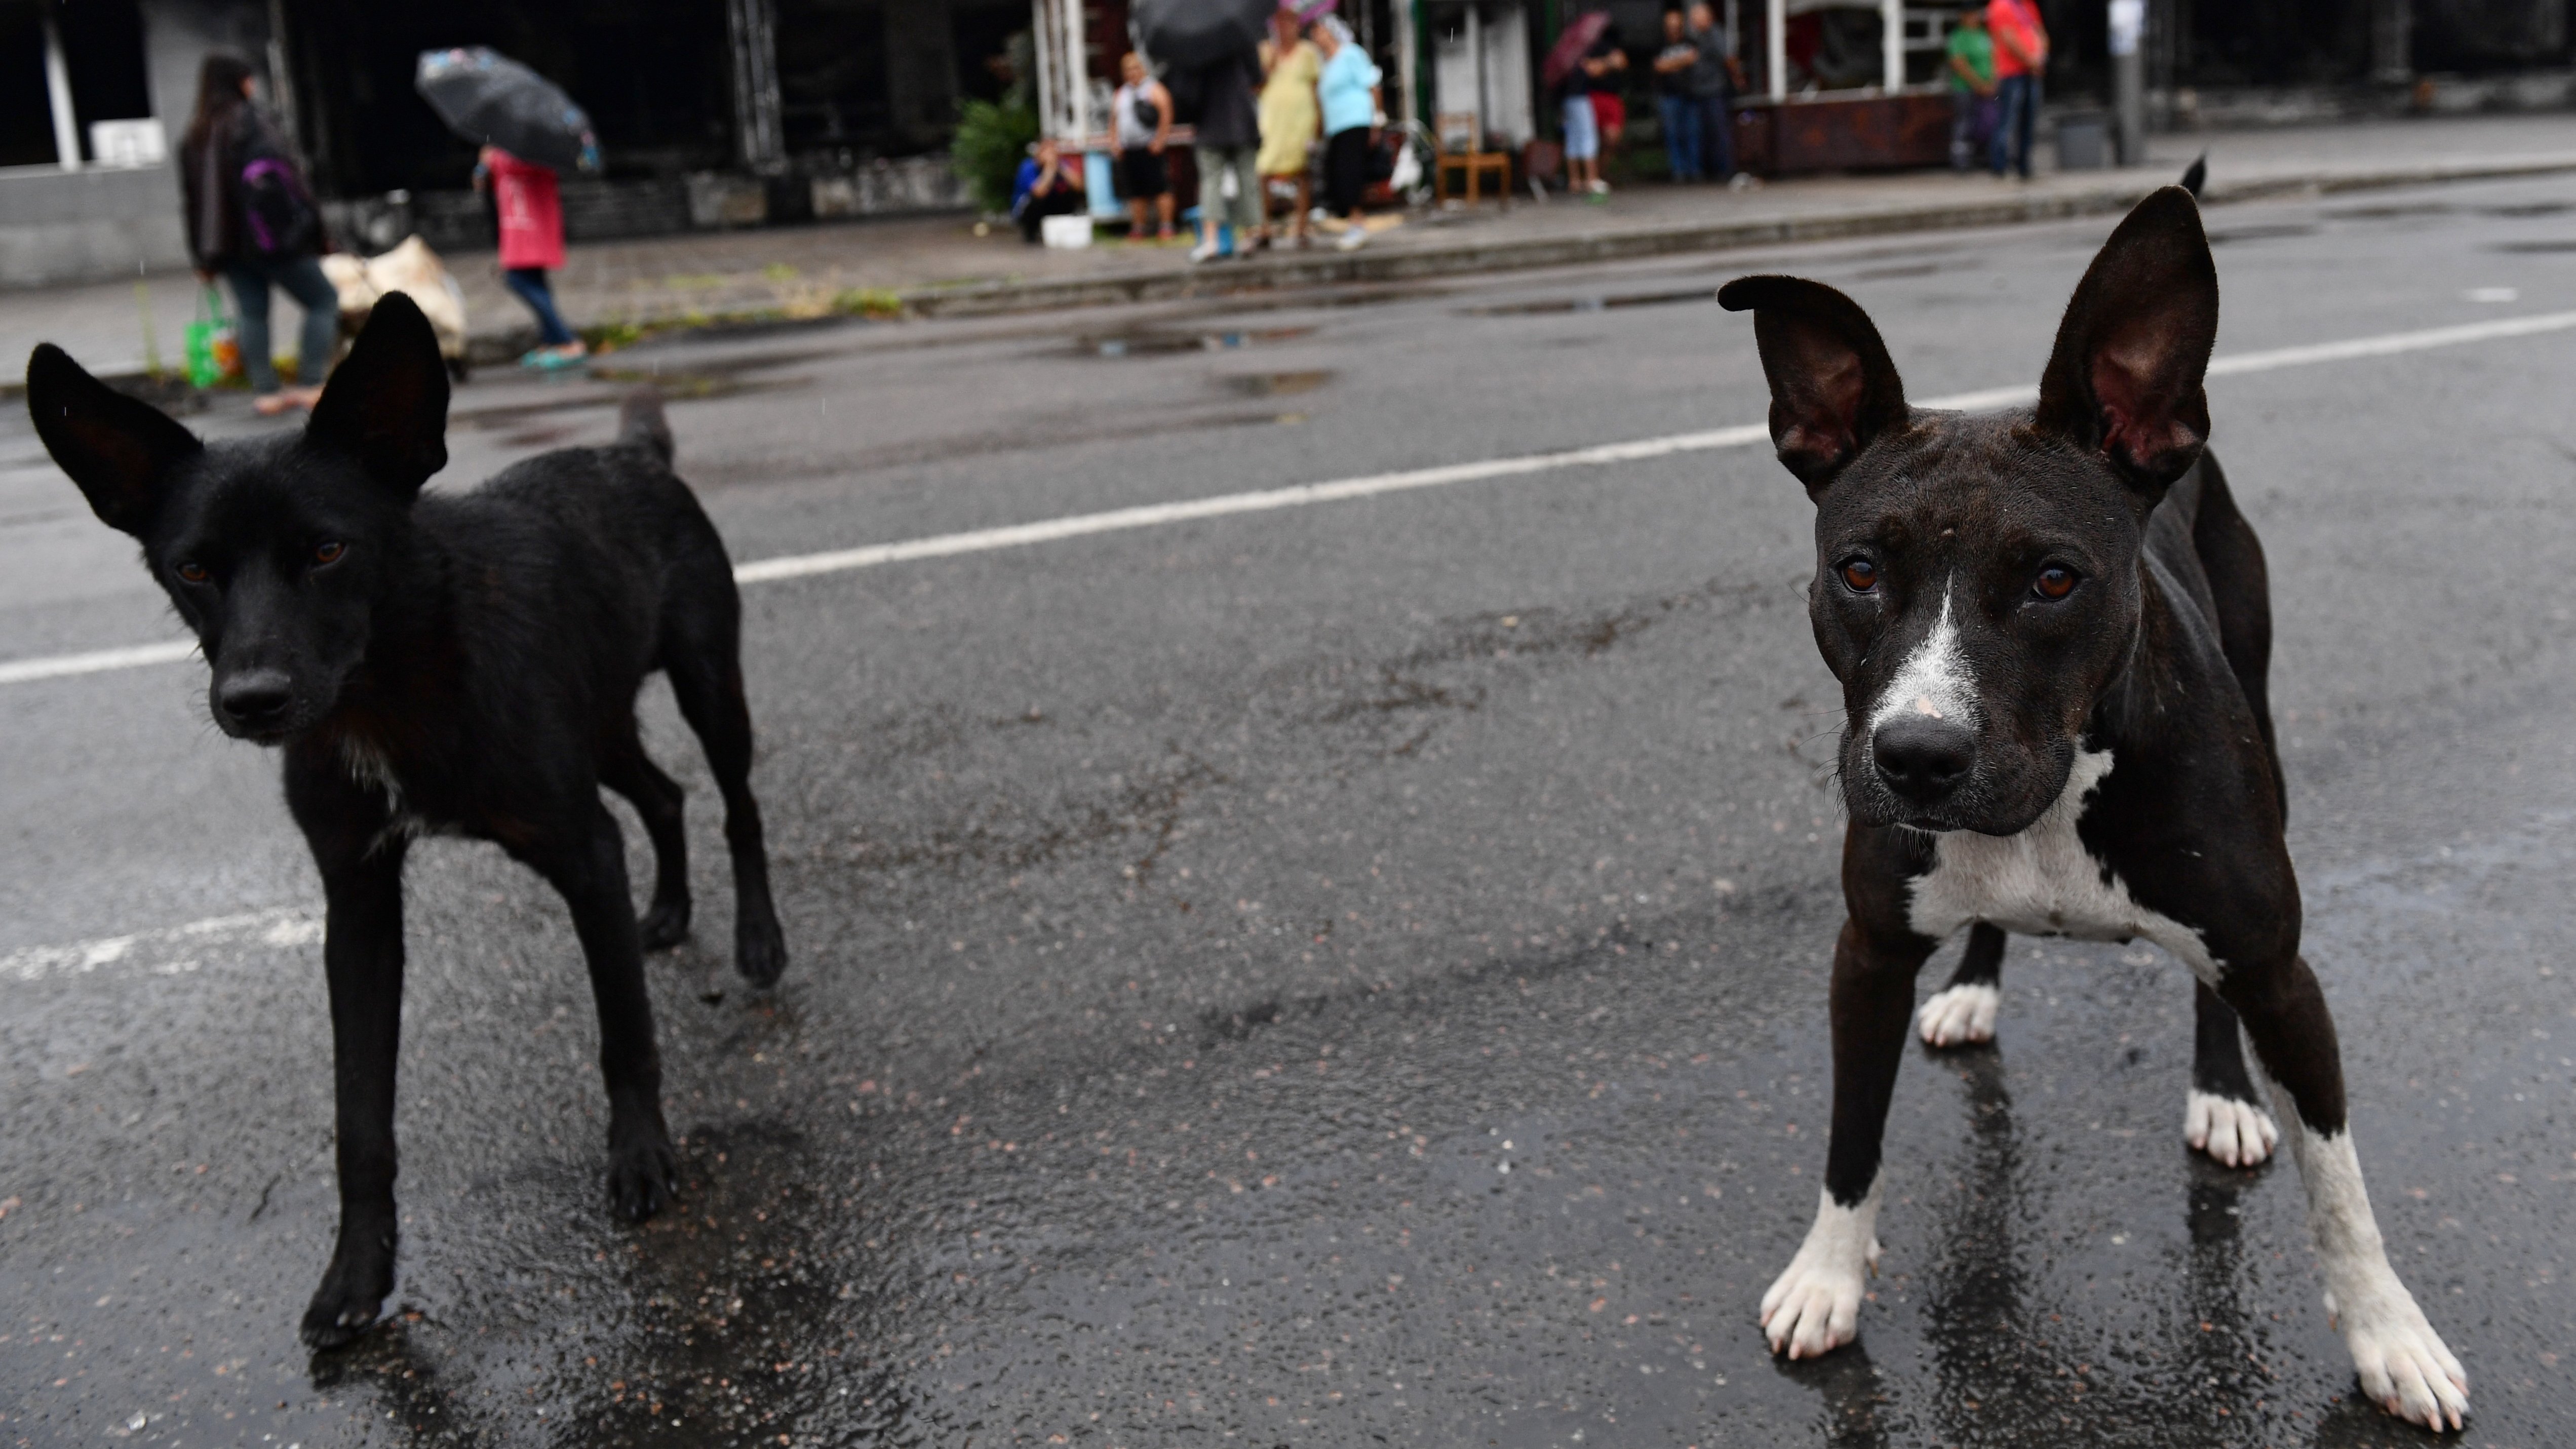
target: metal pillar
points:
(2129, 79)
(1891, 45)
(58, 87)
(1064, 81)
(759, 140)
(1775, 48)
(2392, 41)
(1408, 57)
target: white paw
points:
(2239, 1134)
(2404, 1366)
(1960, 1015)
(1814, 1307)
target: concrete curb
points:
(1393, 265)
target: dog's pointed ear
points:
(1833, 387)
(2131, 356)
(388, 402)
(117, 448)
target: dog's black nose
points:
(1922, 758)
(255, 698)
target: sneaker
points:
(1352, 240)
(1600, 187)
(1204, 252)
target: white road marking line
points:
(278, 928)
(19, 671)
(1155, 515)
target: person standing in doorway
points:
(1228, 142)
(1349, 90)
(1291, 118)
(252, 219)
(1714, 80)
(1970, 69)
(1141, 113)
(1674, 103)
(532, 244)
(2021, 54)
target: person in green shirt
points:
(1971, 73)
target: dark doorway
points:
(26, 112)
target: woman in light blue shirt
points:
(1348, 90)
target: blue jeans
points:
(2016, 117)
(1717, 135)
(1681, 135)
(1582, 129)
(303, 280)
(528, 284)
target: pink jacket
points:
(531, 212)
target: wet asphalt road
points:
(1342, 976)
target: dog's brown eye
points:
(1860, 575)
(2054, 583)
(193, 573)
(328, 553)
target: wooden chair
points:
(1462, 139)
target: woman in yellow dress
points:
(1291, 117)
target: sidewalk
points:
(933, 266)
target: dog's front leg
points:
(1815, 1305)
(589, 868)
(2403, 1364)
(362, 955)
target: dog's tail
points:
(640, 423)
(2199, 173)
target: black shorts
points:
(1141, 174)
(1346, 168)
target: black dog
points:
(2051, 626)
(462, 664)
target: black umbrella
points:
(492, 100)
(1189, 34)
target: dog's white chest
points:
(2043, 882)
(368, 766)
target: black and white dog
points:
(445, 663)
(2052, 628)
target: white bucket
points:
(1069, 232)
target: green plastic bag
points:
(213, 348)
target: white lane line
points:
(1021, 535)
(19, 671)
(149, 950)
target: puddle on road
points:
(1552, 305)
(1163, 344)
(2395, 212)
(1276, 384)
(2271, 232)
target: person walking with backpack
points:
(251, 219)
(532, 244)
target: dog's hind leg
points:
(626, 769)
(2225, 1118)
(586, 862)
(2403, 1364)
(1962, 1013)
(362, 958)
(702, 656)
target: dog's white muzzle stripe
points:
(1116, 520)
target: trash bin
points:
(2083, 140)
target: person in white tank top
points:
(1141, 126)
